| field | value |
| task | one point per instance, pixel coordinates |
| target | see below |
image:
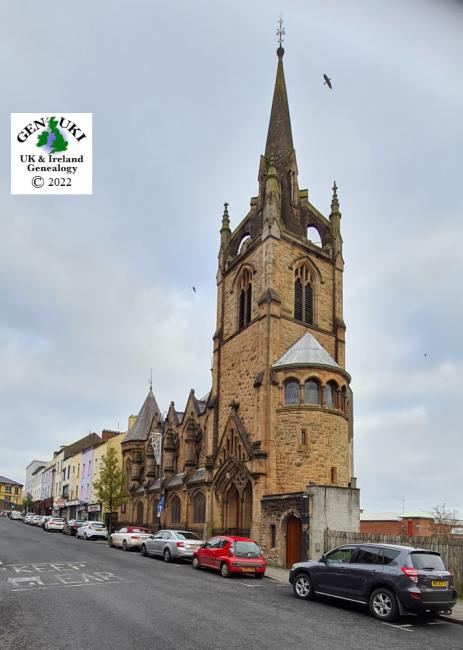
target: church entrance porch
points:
(233, 488)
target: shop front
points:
(94, 511)
(71, 509)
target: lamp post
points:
(156, 443)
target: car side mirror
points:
(203, 545)
(322, 559)
(151, 537)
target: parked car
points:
(230, 554)
(35, 520)
(392, 580)
(28, 517)
(129, 537)
(44, 520)
(71, 526)
(172, 544)
(54, 523)
(92, 530)
(17, 515)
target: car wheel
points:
(124, 545)
(225, 570)
(166, 555)
(303, 587)
(195, 563)
(143, 550)
(383, 604)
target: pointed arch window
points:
(175, 510)
(199, 508)
(140, 512)
(312, 392)
(244, 299)
(303, 295)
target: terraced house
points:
(268, 452)
(11, 494)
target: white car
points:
(54, 523)
(28, 517)
(129, 537)
(17, 515)
(92, 530)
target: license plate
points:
(439, 583)
(248, 570)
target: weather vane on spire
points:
(151, 379)
(281, 32)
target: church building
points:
(272, 442)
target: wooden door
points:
(293, 541)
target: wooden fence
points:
(451, 550)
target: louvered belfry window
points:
(245, 299)
(303, 296)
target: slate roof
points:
(9, 481)
(201, 406)
(198, 475)
(307, 351)
(91, 440)
(177, 479)
(155, 486)
(142, 427)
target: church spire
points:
(279, 136)
(280, 149)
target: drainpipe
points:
(304, 527)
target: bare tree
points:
(444, 518)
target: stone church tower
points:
(277, 423)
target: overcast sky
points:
(96, 290)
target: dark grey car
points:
(391, 580)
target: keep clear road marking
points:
(403, 627)
(43, 575)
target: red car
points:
(229, 554)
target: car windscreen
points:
(139, 530)
(427, 561)
(246, 549)
(97, 525)
(185, 535)
(56, 520)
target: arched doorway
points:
(293, 540)
(246, 517)
(232, 511)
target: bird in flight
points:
(327, 82)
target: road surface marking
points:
(86, 584)
(404, 628)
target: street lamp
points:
(156, 443)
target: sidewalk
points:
(281, 575)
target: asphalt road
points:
(60, 592)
